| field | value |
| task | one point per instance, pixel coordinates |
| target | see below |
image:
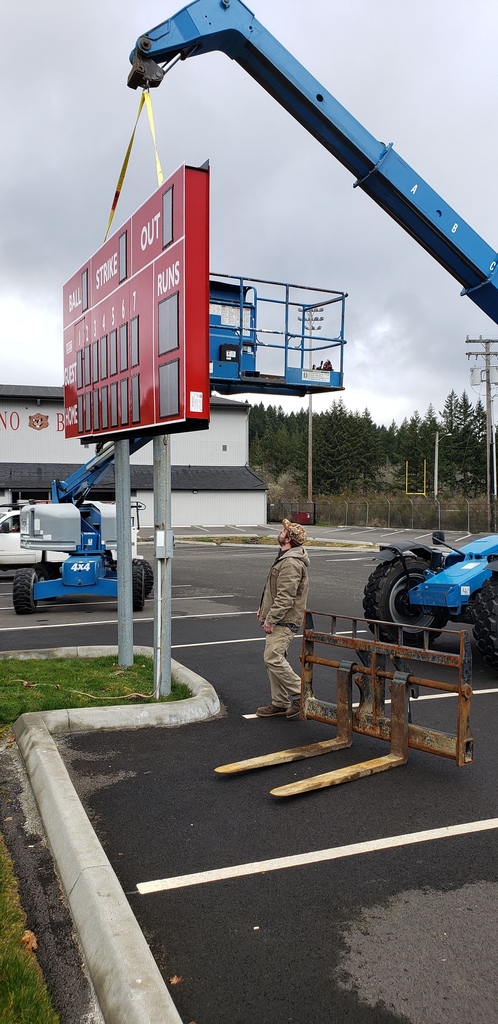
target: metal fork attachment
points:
(370, 665)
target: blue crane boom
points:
(229, 26)
(77, 486)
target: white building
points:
(211, 482)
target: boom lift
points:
(260, 337)
(86, 531)
(417, 587)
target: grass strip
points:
(272, 541)
(23, 994)
(52, 684)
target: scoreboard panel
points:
(136, 321)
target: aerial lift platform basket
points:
(263, 337)
(370, 665)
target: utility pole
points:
(310, 319)
(488, 376)
(436, 459)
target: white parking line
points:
(425, 696)
(316, 857)
(203, 597)
(220, 643)
(359, 558)
(110, 622)
(246, 640)
(440, 696)
(63, 625)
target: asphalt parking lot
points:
(286, 911)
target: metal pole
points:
(309, 320)
(310, 446)
(162, 568)
(486, 343)
(436, 463)
(495, 486)
(488, 437)
(493, 469)
(123, 538)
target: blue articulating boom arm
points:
(228, 25)
(77, 486)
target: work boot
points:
(294, 709)
(270, 710)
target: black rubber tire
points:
(385, 598)
(485, 629)
(148, 574)
(138, 585)
(22, 591)
(48, 570)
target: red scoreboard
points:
(136, 321)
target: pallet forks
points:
(368, 667)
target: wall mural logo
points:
(38, 421)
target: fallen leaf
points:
(29, 940)
(175, 980)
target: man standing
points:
(281, 614)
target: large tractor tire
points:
(138, 585)
(386, 598)
(148, 574)
(22, 591)
(485, 627)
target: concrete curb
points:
(127, 981)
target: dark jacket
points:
(286, 589)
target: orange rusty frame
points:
(370, 674)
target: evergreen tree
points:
(352, 454)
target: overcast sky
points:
(421, 75)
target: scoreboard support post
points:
(124, 566)
(163, 553)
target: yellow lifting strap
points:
(144, 99)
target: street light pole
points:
(487, 352)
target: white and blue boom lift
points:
(86, 531)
